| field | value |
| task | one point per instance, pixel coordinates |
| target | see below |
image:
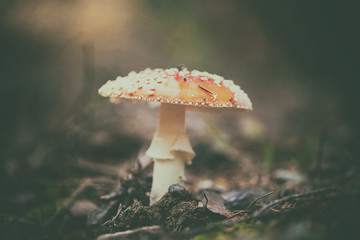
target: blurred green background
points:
(297, 60)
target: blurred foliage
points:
(240, 230)
(39, 215)
(268, 155)
(306, 153)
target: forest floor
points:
(69, 189)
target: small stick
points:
(252, 202)
(205, 90)
(207, 200)
(261, 211)
(114, 218)
(257, 199)
(118, 212)
(274, 210)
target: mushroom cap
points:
(178, 86)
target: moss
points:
(267, 154)
(133, 217)
(306, 152)
(41, 214)
(236, 231)
(176, 211)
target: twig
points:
(127, 234)
(252, 202)
(114, 218)
(274, 210)
(109, 170)
(67, 202)
(84, 184)
(262, 210)
(118, 212)
(257, 199)
(207, 200)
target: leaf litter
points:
(180, 214)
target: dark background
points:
(313, 44)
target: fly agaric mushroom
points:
(177, 89)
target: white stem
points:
(166, 172)
(170, 149)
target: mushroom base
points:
(171, 150)
(166, 173)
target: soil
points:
(176, 211)
(179, 214)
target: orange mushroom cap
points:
(178, 86)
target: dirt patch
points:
(177, 210)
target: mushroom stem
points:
(166, 172)
(170, 149)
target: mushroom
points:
(178, 90)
